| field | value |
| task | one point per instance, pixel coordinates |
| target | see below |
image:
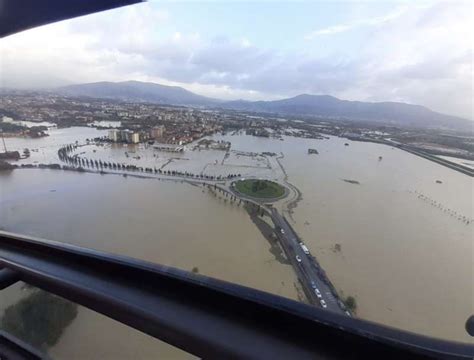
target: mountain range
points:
(138, 91)
(395, 113)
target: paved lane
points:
(308, 270)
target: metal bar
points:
(7, 277)
(204, 316)
(14, 349)
(20, 15)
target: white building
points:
(135, 138)
(114, 135)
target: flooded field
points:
(403, 224)
(405, 231)
(29, 124)
(158, 221)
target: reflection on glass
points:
(39, 319)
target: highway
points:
(308, 270)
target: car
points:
(298, 258)
(313, 284)
(318, 293)
(282, 231)
(323, 303)
(348, 314)
(305, 249)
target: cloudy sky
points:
(418, 52)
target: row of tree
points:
(66, 155)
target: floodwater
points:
(407, 253)
(406, 249)
(170, 223)
(26, 123)
(44, 149)
(407, 260)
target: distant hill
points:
(138, 91)
(382, 112)
(399, 114)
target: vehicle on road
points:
(313, 284)
(305, 249)
(318, 293)
(323, 303)
(348, 314)
(282, 231)
(298, 258)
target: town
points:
(140, 122)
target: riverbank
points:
(297, 196)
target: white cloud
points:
(415, 54)
(367, 22)
(329, 31)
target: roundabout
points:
(259, 189)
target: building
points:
(135, 138)
(114, 135)
(125, 136)
(157, 132)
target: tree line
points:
(66, 155)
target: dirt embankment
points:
(293, 203)
(268, 233)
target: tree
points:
(351, 303)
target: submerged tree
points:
(351, 303)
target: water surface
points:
(406, 248)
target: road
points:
(308, 270)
